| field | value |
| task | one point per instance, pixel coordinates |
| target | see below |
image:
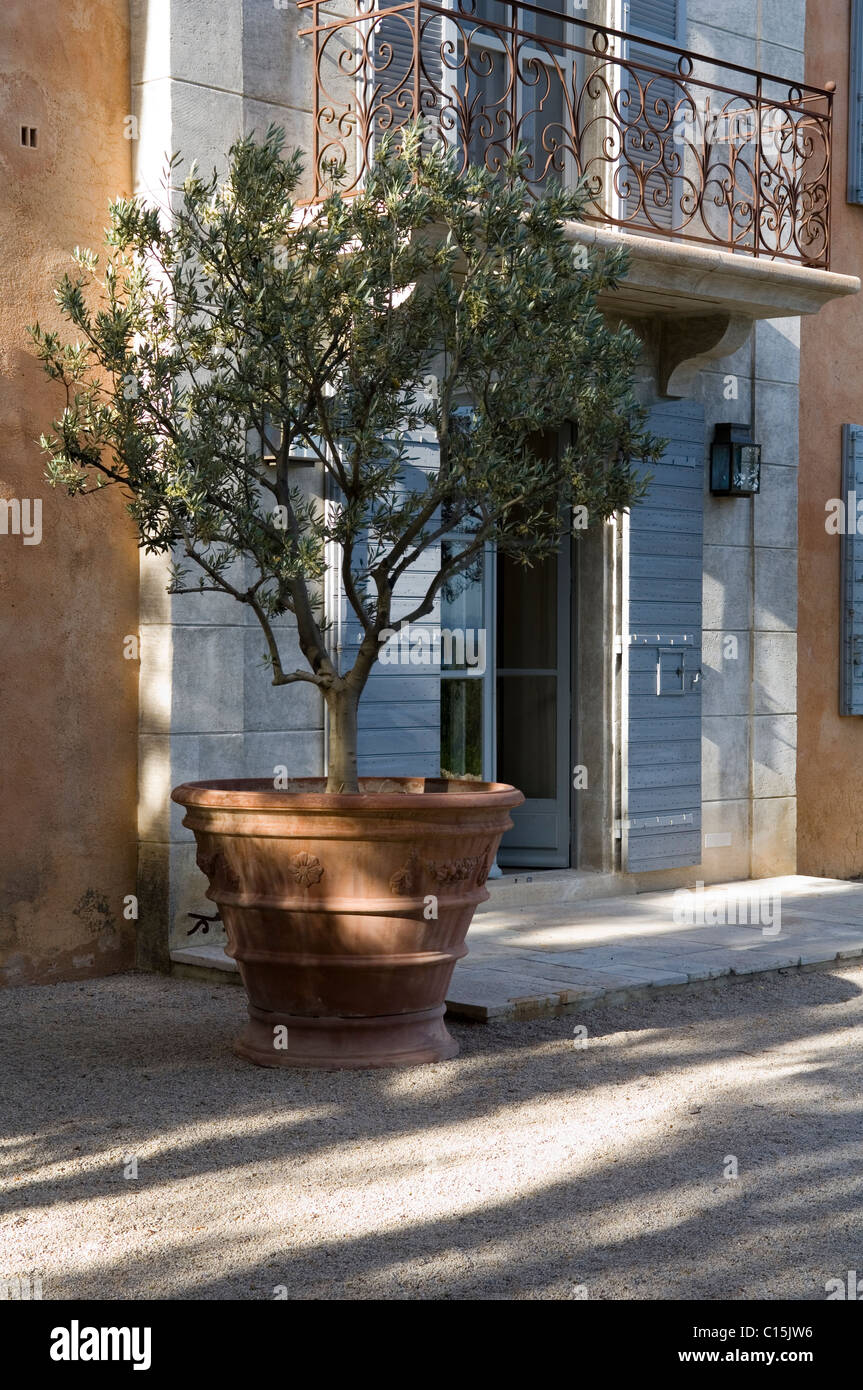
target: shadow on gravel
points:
(137, 1063)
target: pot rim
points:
(259, 794)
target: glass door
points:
(533, 698)
(466, 666)
(516, 81)
(506, 695)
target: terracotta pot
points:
(329, 907)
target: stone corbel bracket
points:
(693, 303)
(686, 345)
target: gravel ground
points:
(528, 1167)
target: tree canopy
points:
(220, 340)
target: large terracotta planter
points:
(329, 907)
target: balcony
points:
(671, 145)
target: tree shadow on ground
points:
(527, 1167)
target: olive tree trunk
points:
(342, 706)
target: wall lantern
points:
(735, 462)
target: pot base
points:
(397, 1040)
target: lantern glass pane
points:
(720, 467)
(747, 468)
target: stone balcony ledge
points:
(680, 279)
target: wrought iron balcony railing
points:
(669, 143)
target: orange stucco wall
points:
(68, 698)
(830, 747)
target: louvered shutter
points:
(395, 73)
(851, 579)
(661, 785)
(855, 105)
(656, 19)
(648, 143)
(399, 714)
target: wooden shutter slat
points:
(851, 581)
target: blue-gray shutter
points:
(661, 791)
(657, 19)
(393, 56)
(665, 21)
(851, 581)
(399, 715)
(855, 105)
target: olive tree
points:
(434, 302)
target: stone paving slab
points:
(548, 958)
(623, 947)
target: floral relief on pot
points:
(218, 871)
(306, 869)
(442, 871)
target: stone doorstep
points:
(530, 888)
(535, 952)
(514, 991)
(205, 963)
(486, 996)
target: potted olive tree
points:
(216, 344)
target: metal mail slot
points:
(671, 671)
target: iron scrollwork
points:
(667, 143)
